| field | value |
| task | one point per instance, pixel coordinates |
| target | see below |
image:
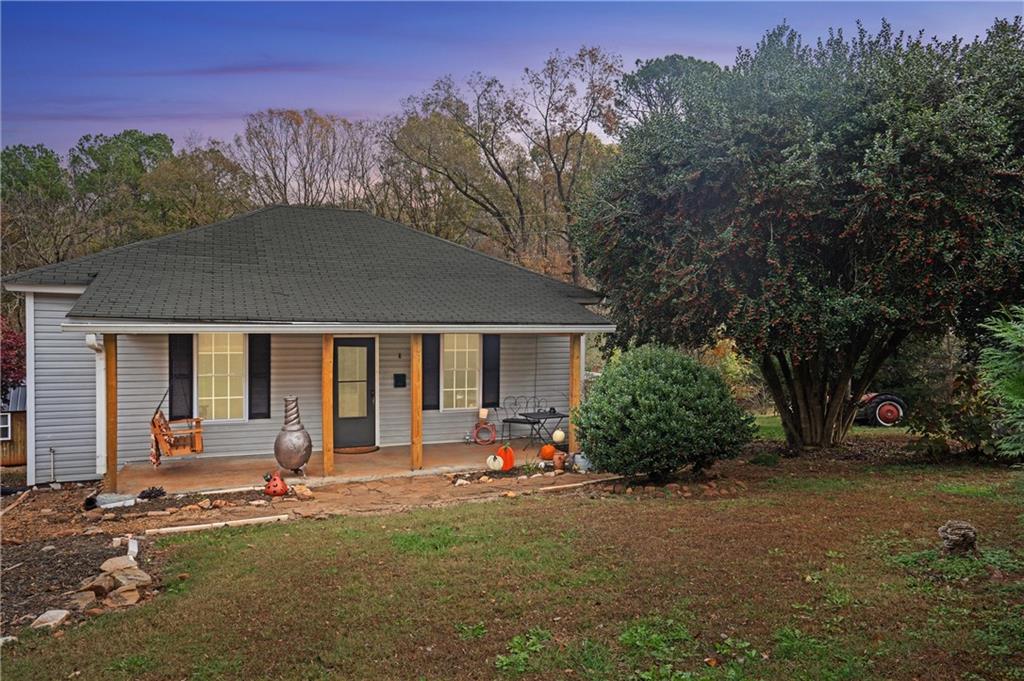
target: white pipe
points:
(93, 343)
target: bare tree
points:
(561, 103)
(291, 156)
(520, 155)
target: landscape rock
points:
(122, 597)
(109, 516)
(50, 619)
(258, 502)
(132, 576)
(48, 547)
(100, 585)
(205, 504)
(461, 482)
(303, 493)
(4, 640)
(510, 494)
(117, 563)
(93, 514)
(82, 600)
(192, 507)
(157, 514)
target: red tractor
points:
(881, 409)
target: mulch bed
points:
(35, 580)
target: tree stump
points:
(959, 538)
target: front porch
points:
(546, 368)
(210, 473)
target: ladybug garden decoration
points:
(276, 486)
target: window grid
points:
(5, 426)
(220, 376)
(461, 371)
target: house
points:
(13, 428)
(390, 338)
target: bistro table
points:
(543, 431)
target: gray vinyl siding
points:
(531, 366)
(142, 381)
(65, 395)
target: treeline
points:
(494, 165)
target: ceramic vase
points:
(293, 444)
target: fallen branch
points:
(16, 502)
(178, 529)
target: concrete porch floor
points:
(209, 473)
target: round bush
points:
(654, 410)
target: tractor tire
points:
(886, 411)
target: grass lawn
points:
(819, 570)
(770, 428)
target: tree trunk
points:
(817, 395)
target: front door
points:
(355, 387)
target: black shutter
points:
(180, 380)
(259, 376)
(491, 393)
(431, 371)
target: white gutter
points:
(45, 288)
(319, 327)
(96, 346)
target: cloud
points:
(239, 69)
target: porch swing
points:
(178, 437)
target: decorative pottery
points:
(276, 486)
(558, 459)
(293, 444)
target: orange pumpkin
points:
(276, 487)
(508, 457)
(547, 452)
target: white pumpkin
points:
(558, 436)
(495, 462)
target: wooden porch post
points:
(575, 383)
(110, 357)
(327, 401)
(416, 401)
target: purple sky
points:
(72, 69)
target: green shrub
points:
(654, 410)
(1002, 371)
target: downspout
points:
(95, 344)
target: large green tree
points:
(818, 204)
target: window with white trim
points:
(5, 426)
(460, 371)
(220, 376)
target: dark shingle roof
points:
(303, 264)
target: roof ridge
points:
(474, 251)
(123, 247)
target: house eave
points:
(60, 289)
(143, 327)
